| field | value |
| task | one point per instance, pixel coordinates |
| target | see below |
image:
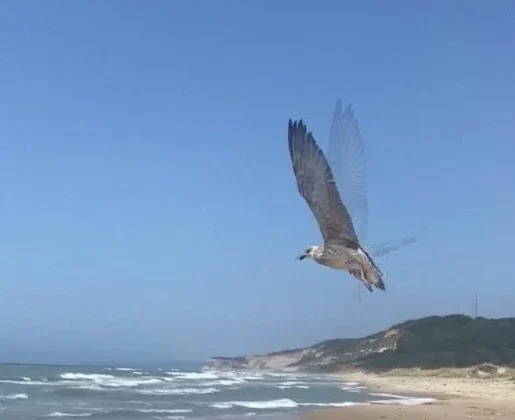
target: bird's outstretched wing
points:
(346, 157)
(316, 184)
(380, 250)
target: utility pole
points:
(475, 306)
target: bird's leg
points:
(358, 291)
(360, 275)
(364, 281)
(367, 286)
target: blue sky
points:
(149, 210)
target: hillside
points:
(429, 343)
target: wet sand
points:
(455, 399)
(476, 409)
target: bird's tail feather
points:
(372, 275)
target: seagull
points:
(341, 249)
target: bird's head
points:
(310, 252)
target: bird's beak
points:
(301, 257)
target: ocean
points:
(173, 392)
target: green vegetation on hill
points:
(448, 341)
(452, 341)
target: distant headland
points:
(452, 341)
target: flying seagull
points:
(341, 249)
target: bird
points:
(315, 182)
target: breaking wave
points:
(222, 382)
(405, 401)
(292, 384)
(20, 396)
(165, 411)
(263, 405)
(193, 375)
(335, 404)
(162, 393)
(177, 391)
(110, 380)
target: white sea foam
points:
(261, 405)
(291, 383)
(246, 376)
(222, 382)
(124, 369)
(399, 399)
(351, 384)
(281, 375)
(381, 394)
(90, 387)
(26, 378)
(177, 391)
(14, 397)
(405, 401)
(174, 373)
(335, 404)
(194, 375)
(221, 406)
(89, 376)
(9, 381)
(110, 380)
(131, 382)
(352, 388)
(165, 411)
(60, 414)
(252, 377)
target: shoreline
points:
(455, 397)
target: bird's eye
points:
(308, 250)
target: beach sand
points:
(456, 398)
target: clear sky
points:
(148, 205)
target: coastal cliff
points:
(325, 356)
(431, 342)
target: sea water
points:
(177, 391)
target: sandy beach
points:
(455, 398)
